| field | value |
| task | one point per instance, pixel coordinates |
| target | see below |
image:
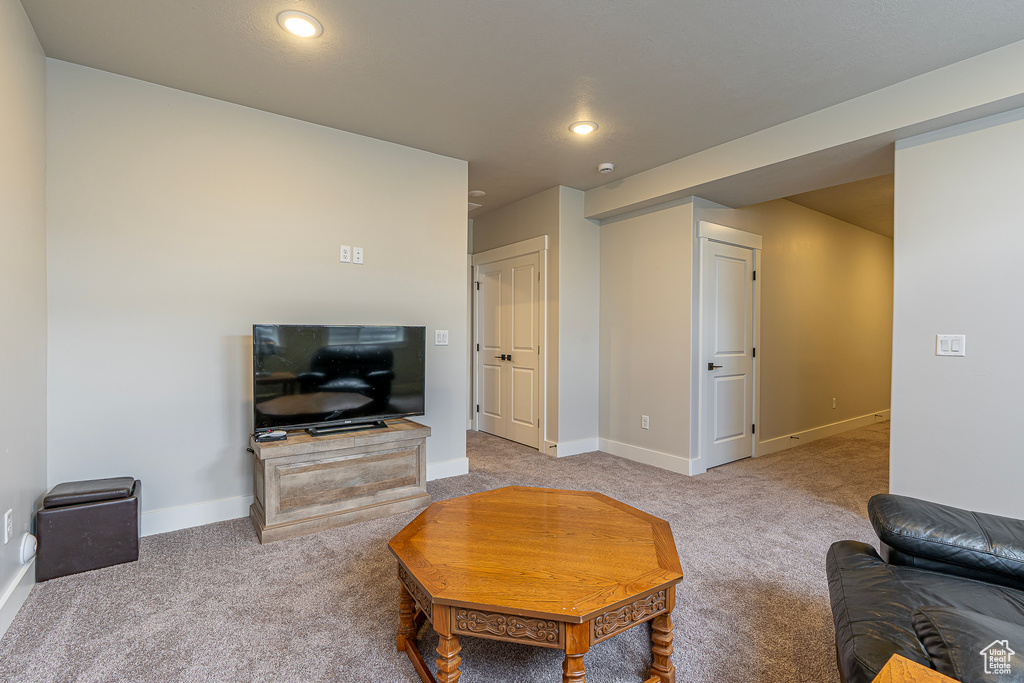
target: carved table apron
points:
(572, 633)
(452, 622)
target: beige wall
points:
(826, 290)
(22, 286)
(826, 317)
(175, 222)
(645, 332)
(958, 239)
(528, 218)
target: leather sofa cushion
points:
(872, 605)
(971, 543)
(92, 490)
(959, 641)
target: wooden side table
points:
(545, 567)
(901, 670)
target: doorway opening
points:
(509, 332)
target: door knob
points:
(508, 357)
(501, 357)
(712, 366)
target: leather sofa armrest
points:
(941, 538)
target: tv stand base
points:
(327, 431)
(308, 484)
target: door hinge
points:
(754, 355)
(755, 274)
(478, 407)
(538, 277)
(478, 286)
(477, 347)
(753, 429)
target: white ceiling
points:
(497, 82)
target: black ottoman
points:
(86, 525)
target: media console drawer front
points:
(306, 484)
(328, 485)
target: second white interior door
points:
(508, 361)
(728, 330)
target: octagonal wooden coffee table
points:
(545, 567)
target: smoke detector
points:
(605, 168)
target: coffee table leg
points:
(573, 669)
(407, 618)
(577, 644)
(661, 647)
(448, 663)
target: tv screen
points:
(319, 376)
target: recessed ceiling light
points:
(300, 24)
(583, 127)
(477, 193)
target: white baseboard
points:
(448, 468)
(666, 461)
(469, 425)
(16, 594)
(781, 443)
(566, 448)
(184, 516)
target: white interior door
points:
(492, 400)
(508, 361)
(727, 325)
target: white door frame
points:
(540, 246)
(707, 231)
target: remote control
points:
(272, 435)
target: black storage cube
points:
(87, 525)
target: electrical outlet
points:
(346, 254)
(645, 422)
(8, 526)
(357, 255)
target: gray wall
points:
(573, 295)
(578, 325)
(534, 216)
(175, 223)
(645, 330)
(958, 239)
(22, 282)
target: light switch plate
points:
(440, 337)
(357, 255)
(951, 345)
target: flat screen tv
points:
(325, 378)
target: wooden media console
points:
(307, 484)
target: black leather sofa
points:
(947, 591)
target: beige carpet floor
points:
(211, 604)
